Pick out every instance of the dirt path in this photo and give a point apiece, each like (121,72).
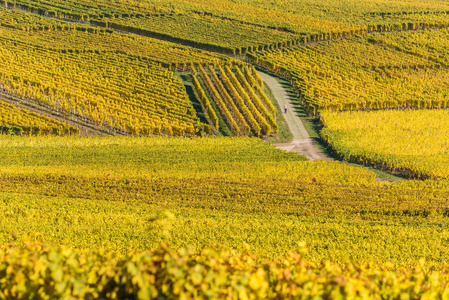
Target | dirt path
(301,141)
(85,130)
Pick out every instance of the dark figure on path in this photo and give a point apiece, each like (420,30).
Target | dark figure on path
(285,107)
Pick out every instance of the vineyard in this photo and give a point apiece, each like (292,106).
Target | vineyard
(260,25)
(366,73)
(239,97)
(122,92)
(183,196)
(72,37)
(105,192)
(400,141)
(100,88)
(23,122)
(370,92)
(190,30)
(133,193)
(164,273)
(125,91)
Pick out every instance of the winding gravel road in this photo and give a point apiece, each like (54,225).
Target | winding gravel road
(301,140)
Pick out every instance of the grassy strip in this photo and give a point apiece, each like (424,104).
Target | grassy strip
(187,81)
(223,128)
(284,135)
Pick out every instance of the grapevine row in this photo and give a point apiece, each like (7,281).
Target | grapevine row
(244,127)
(219,101)
(155,274)
(270,117)
(248,102)
(242,108)
(413,143)
(22,122)
(205,101)
(360,74)
(256,194)
(255,126)
(262,26)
